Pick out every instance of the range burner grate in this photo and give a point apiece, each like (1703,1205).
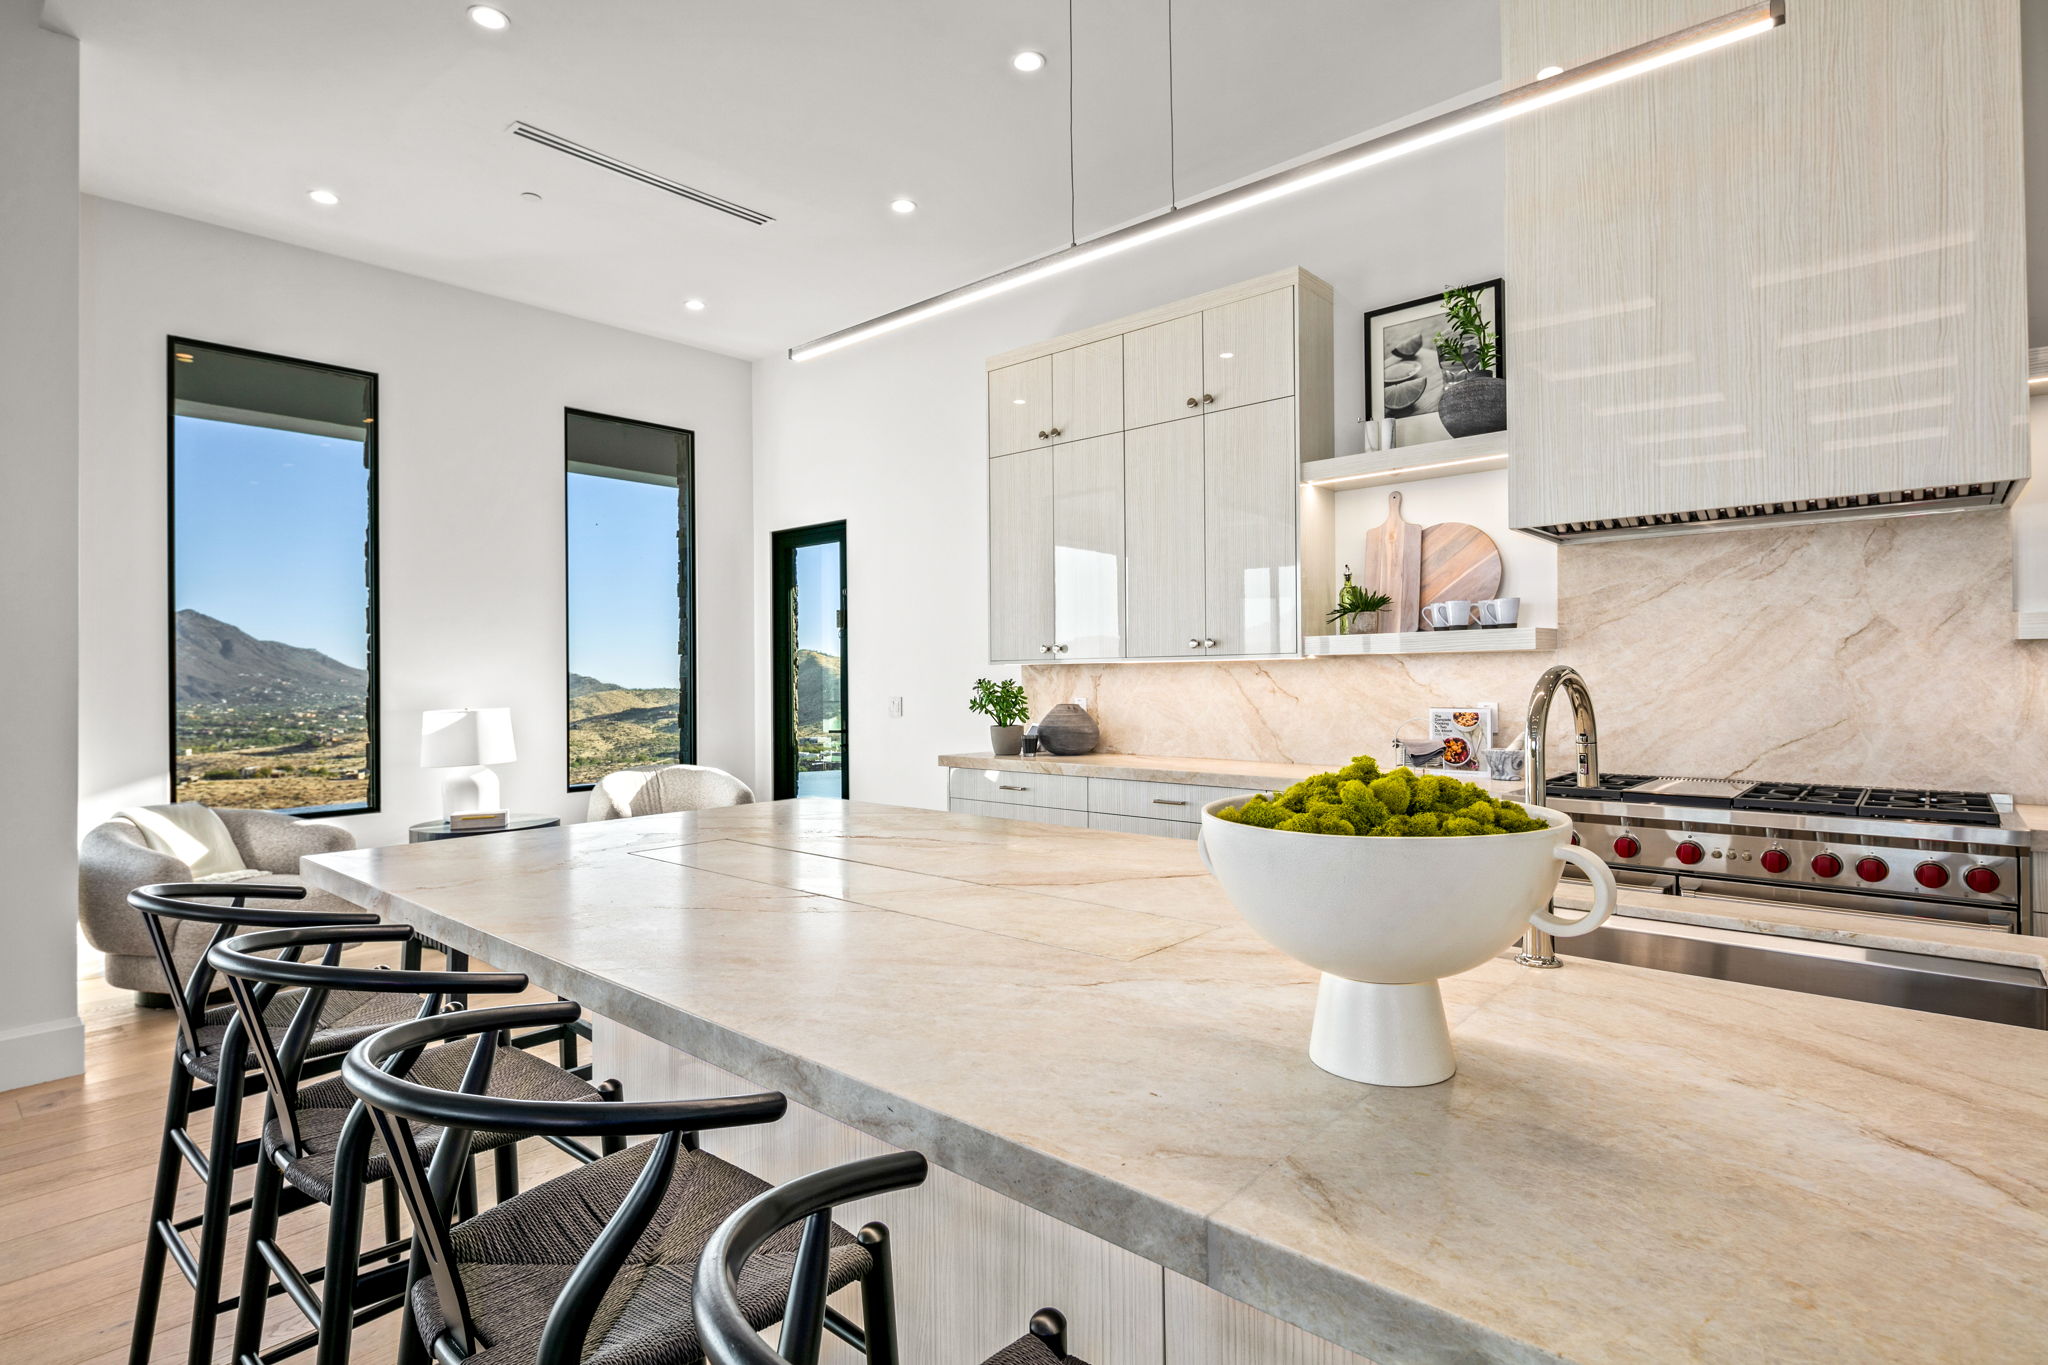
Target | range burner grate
(1610,787)
(1802,798)
(1917,803)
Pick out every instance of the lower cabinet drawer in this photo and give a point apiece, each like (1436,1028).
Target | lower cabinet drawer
(1138,824)
(1154,800)
(1043,815)
(1018,789)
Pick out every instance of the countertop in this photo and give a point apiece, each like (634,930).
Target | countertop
(1629,1166)
(1202,772)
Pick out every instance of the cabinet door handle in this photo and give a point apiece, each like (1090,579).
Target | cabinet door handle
(1002,788)
(1043,435)
(1162,801)
(1208,398)
(1194,644)
(1208,644)
(1059,649)
(1194,402)
(1055,431)
(1045,649)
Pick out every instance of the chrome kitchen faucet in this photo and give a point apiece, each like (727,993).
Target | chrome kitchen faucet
(1538,948)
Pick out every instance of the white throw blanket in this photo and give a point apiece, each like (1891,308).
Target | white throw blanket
(192,834)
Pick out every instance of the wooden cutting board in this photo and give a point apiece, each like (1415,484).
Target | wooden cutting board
(1459,563)
(1393,565)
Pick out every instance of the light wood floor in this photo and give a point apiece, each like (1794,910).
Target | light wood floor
(77,1161)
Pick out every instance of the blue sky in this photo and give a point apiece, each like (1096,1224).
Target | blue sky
(270,533)
(817,597)
(622,581)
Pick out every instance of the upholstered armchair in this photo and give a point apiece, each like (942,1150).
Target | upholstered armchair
(659,788)
(115,859)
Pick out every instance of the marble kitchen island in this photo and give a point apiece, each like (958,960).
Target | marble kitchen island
(1111,1074)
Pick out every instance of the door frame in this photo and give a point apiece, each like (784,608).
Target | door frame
(783,546)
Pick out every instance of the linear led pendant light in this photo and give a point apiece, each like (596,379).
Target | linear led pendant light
(1733,27)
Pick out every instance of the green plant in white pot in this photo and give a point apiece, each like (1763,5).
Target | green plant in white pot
(1006,707)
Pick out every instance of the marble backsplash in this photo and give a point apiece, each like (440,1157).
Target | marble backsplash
(1874,652)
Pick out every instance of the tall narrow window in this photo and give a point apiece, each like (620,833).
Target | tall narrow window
(632,691)
(273,579)
(808,633)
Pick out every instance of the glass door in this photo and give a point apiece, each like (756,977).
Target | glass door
(809,668)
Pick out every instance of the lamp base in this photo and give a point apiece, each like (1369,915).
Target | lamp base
(469,789)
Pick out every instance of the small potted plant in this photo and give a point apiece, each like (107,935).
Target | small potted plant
(1475,397)
(1358,609)
(1006,706)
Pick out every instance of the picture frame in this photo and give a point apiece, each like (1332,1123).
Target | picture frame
(1406,379)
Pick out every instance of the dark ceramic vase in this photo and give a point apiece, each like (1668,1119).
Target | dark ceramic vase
(1474,404)
(1068,729)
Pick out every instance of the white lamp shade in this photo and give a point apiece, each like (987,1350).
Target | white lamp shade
(464,739)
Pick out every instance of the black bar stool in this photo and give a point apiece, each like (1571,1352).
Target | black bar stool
(210,1069)
(607,1248)
(317,1141)
(732,1335)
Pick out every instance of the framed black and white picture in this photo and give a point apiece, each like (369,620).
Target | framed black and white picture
(1435,366)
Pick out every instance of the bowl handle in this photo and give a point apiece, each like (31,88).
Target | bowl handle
(1602,878)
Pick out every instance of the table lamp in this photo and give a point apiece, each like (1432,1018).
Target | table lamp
(468,742)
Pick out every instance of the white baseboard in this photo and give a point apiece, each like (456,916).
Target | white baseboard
(35,1053)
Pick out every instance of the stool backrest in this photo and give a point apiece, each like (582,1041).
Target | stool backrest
(199,901)
(375,1070)
(254,979)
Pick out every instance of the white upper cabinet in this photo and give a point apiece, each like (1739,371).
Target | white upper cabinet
(1088,548)
(1248,350)
(1020,406)
(1784,279)
(1088,390)
(1163,371)
(1165,545)
(1144,493)
(1020,557)
(1254,604)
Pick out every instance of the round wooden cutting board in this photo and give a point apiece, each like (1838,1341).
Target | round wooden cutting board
(1459,563)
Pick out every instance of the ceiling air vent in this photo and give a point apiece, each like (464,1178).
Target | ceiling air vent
(1955,497)
(625,168)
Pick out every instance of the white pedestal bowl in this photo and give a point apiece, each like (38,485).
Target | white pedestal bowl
(1384,919)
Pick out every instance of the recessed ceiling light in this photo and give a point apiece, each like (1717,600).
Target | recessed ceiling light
(324,198)
(903,205)
(694,305)
(1028,61)
(1225,355)
(1547,72)
(490,17)
(1018,401)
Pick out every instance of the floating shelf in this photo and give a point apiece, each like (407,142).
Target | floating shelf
(1471,641)
(1404,464)
(2030,625)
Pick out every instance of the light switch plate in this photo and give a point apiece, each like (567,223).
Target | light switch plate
(896,708)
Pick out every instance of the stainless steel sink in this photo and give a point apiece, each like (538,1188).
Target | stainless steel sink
(1992,991)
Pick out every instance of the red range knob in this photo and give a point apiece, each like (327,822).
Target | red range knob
(1775,860)
(1627,846)
(1575,838)
(1981,880)
(1933,876)
(1872,869)
(1690,853)
(1826,865)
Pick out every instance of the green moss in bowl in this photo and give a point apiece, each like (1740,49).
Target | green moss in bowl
(1358,799)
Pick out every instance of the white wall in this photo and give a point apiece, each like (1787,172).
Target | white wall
(889,434)
(470,393)
(40,1034)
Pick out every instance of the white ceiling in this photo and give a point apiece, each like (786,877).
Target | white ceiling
(817,112)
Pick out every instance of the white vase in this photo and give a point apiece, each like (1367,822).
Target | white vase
(1384,918)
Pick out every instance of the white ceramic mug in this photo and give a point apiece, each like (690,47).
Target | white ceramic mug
(1453,615)
(1500,611)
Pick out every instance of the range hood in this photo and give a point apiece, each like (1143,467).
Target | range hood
(1767,287)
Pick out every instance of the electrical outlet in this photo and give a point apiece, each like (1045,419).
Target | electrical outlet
(895,708)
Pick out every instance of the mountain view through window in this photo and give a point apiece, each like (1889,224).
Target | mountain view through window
(273,588)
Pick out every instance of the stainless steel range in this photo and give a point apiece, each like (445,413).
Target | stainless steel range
(1954,857)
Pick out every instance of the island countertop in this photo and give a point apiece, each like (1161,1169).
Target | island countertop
(1628,1166)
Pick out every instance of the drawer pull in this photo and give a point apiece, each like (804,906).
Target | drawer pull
(1162,801)
(1001,787)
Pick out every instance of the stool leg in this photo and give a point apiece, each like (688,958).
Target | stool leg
(218,1194)
(878,1297)
(161,1205)
(255,1298)
(345,1247)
